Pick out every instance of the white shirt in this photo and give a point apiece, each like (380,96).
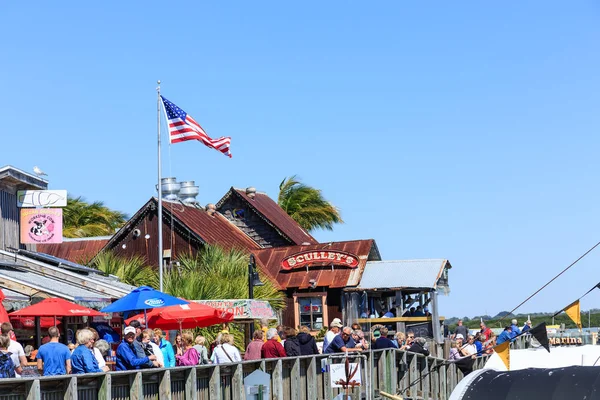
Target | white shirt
(329,336)
(219,356)
(158,353)
(17,351)
(99,358)
(470,349)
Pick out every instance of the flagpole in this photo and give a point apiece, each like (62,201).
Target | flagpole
(160,231)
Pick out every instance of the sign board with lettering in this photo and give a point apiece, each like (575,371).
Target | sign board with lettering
(337,374)
(243,309)
(320,257)
(41,198)
(424,330)
(41,225)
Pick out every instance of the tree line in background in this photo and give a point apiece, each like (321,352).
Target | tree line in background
(536,318)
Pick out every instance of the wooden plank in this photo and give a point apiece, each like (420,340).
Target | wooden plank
(413,373)
(404,381)
(137,389)
(214,383)
(393,370)
(33,390)
(71,392)
(435,379)
(164,387)
(237,382)
(443,382)
(311,379)
(263,366)
(425,378)
(382,371)
(295,379)
(191,391)
(105,390)
(277,379)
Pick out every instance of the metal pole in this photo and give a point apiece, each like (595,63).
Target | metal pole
(251,265)
(160,232)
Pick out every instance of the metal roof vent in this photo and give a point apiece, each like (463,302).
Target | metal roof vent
(251,192)
(188,192)
(170,188)
(211,209)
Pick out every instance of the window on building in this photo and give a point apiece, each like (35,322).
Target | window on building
(311,312)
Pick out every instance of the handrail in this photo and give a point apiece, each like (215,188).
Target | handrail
(292,378)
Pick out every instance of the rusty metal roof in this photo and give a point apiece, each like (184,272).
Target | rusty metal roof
(274,215)
(76,250)
(269,262)
(212,229)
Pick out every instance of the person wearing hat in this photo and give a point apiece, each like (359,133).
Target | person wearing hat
(527,326)
(334,329)
(515,329)
(126,354)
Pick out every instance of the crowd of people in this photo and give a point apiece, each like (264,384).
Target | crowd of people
(142,348)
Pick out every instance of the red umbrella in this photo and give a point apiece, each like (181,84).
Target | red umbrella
(55,307)
(183,316)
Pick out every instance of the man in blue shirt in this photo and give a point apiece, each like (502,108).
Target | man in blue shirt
(342,343)
(505,336)
(382,341)
(126,355)
(515,329)
(54,358)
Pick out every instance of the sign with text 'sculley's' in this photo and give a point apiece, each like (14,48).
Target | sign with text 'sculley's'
(320,257)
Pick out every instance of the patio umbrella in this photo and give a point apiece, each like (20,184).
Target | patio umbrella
(143,298)
(55,307)
(185,316)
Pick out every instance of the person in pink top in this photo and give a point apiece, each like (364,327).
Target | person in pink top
(190,356)
(254,347)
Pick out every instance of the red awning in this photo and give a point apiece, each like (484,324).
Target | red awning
(55,307)
(184,316)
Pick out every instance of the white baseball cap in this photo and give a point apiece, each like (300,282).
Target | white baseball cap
(128,330)
(460,336)
(336,323)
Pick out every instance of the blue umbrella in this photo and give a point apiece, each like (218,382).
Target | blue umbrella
(143,298)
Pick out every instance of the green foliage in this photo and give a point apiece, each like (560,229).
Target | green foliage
(307,206)
(81,219)
(132,271)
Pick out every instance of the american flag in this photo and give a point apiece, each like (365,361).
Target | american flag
(182,127)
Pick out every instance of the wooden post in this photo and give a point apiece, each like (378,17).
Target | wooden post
(405,380)
(413,375)
(263,366)
(191,391)
(392,370)
(382,372)
(214,383)
(137,389)
(33,390)
(164,387)
(71,392)
(443,382)
(105,389)
(311,379)
(295,380)
(435,379)
(237,382)
(277,379)
(425,380)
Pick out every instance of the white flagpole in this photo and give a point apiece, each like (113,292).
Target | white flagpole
(160,232)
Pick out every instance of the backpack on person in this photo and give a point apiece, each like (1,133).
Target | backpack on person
(7,366)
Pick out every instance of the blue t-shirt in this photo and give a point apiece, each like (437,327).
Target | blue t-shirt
(337,343)
(54,355)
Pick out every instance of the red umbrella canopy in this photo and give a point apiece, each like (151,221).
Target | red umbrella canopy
(183,316)
(55,307)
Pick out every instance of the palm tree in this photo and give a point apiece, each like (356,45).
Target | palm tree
(215,273)
(132,270)
(307,206)
(82,219)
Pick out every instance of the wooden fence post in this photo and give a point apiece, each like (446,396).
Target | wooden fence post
(33,390)
(295,379)
(105,389)
(237,382)
(71,392)
(425,379)
(137,389)
(164,386)
(443,381)
(215,383)
(311,379)
(382,372)
(393,370)
(277,379)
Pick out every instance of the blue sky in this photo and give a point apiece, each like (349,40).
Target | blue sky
(466,131)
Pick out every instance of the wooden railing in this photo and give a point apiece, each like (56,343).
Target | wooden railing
(291,379)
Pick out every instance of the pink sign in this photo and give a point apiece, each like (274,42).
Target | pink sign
(42,225)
